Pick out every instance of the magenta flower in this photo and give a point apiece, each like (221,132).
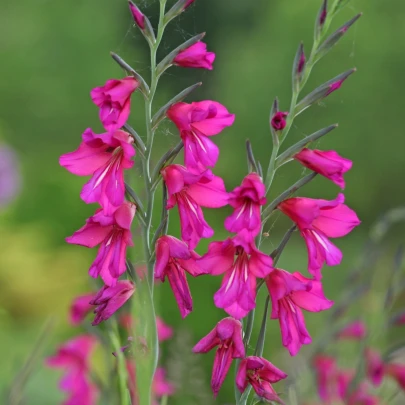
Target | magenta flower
(104,156)
(164,331)
(10,177)
(278,121)
(260,373)
(113,234)
(326,375)
(161,387)
(196,122)
(190,192)
(319,220)
(139,17)
(79,308)
(327,163)
(188,3)
(227,335)
(114,100)
(242,263)
(289,294)
(355,330)
(246,200)
(195,56)
(397,372)
(374,366)
(110,299)
(173,259)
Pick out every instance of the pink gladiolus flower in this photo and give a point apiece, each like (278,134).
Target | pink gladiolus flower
(246,200)
(195,56)
(80,308)
(161,387)
(104,156)
(319,220)
(355,330)
(326,376)
(10,177)
(113,234)
(374,366)
(196,122)
(260,373)
(173,259)
(278,121)
(241,262)
(114,100)
(227,335)
(110,299)
(397,372)
(289,294)
(164,331)
(188,3)
(327,163)
(190,192)
(138,15)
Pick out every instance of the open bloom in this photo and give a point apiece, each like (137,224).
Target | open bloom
(195,56)
(355,330)
(260,373)
(164,331)
(173,259)
(227,335)
(113,234)
(289,294)
(374,366)
(190,192)
(319,220)
(246,200)
(104,157)
(110,299)
(114,100)
(242,263)
(327,163)
(80,307)
(196,122)
(278,121)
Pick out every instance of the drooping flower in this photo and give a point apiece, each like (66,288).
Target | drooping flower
(114,101)
(190,192)
(104,157)
(278,121)
(260,373)
(79,308)
(319,220)
(327,163)
(113,234)
(196,122)
(10,178)
(137,14)
(227,335)
(247,200)
(289,294)
(109,299)
(397,372)
(173,259)
(164,331)
(374,366)
(242,263)
(195,56)
(355,330)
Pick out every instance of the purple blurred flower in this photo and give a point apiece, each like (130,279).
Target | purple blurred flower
(10,178)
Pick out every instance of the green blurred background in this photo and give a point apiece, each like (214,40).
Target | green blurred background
(54,52)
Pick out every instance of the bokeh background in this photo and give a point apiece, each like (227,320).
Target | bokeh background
(54,52)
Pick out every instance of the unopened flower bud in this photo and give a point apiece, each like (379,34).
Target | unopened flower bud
(177,9)
(298,68)
(321,18)
(142,22)
(278,121)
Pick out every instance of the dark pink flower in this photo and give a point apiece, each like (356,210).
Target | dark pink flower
(113,234)
(326,372)
(319,220)
(247,200)
(139,17)
(361,396)
(397,372)
(374,366)
(227,335)
(188,3)
(79,308)
(327,163)
(190,192)
(103,156)
(114,100)
(242,263)
(173,259)
(195,56)
(335,86)
(289,294)
(161,387)
(165,332)
(323,14)
(301,63)
(355,330)
(278,121)
(196,122)
(110,299)
(260,373)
